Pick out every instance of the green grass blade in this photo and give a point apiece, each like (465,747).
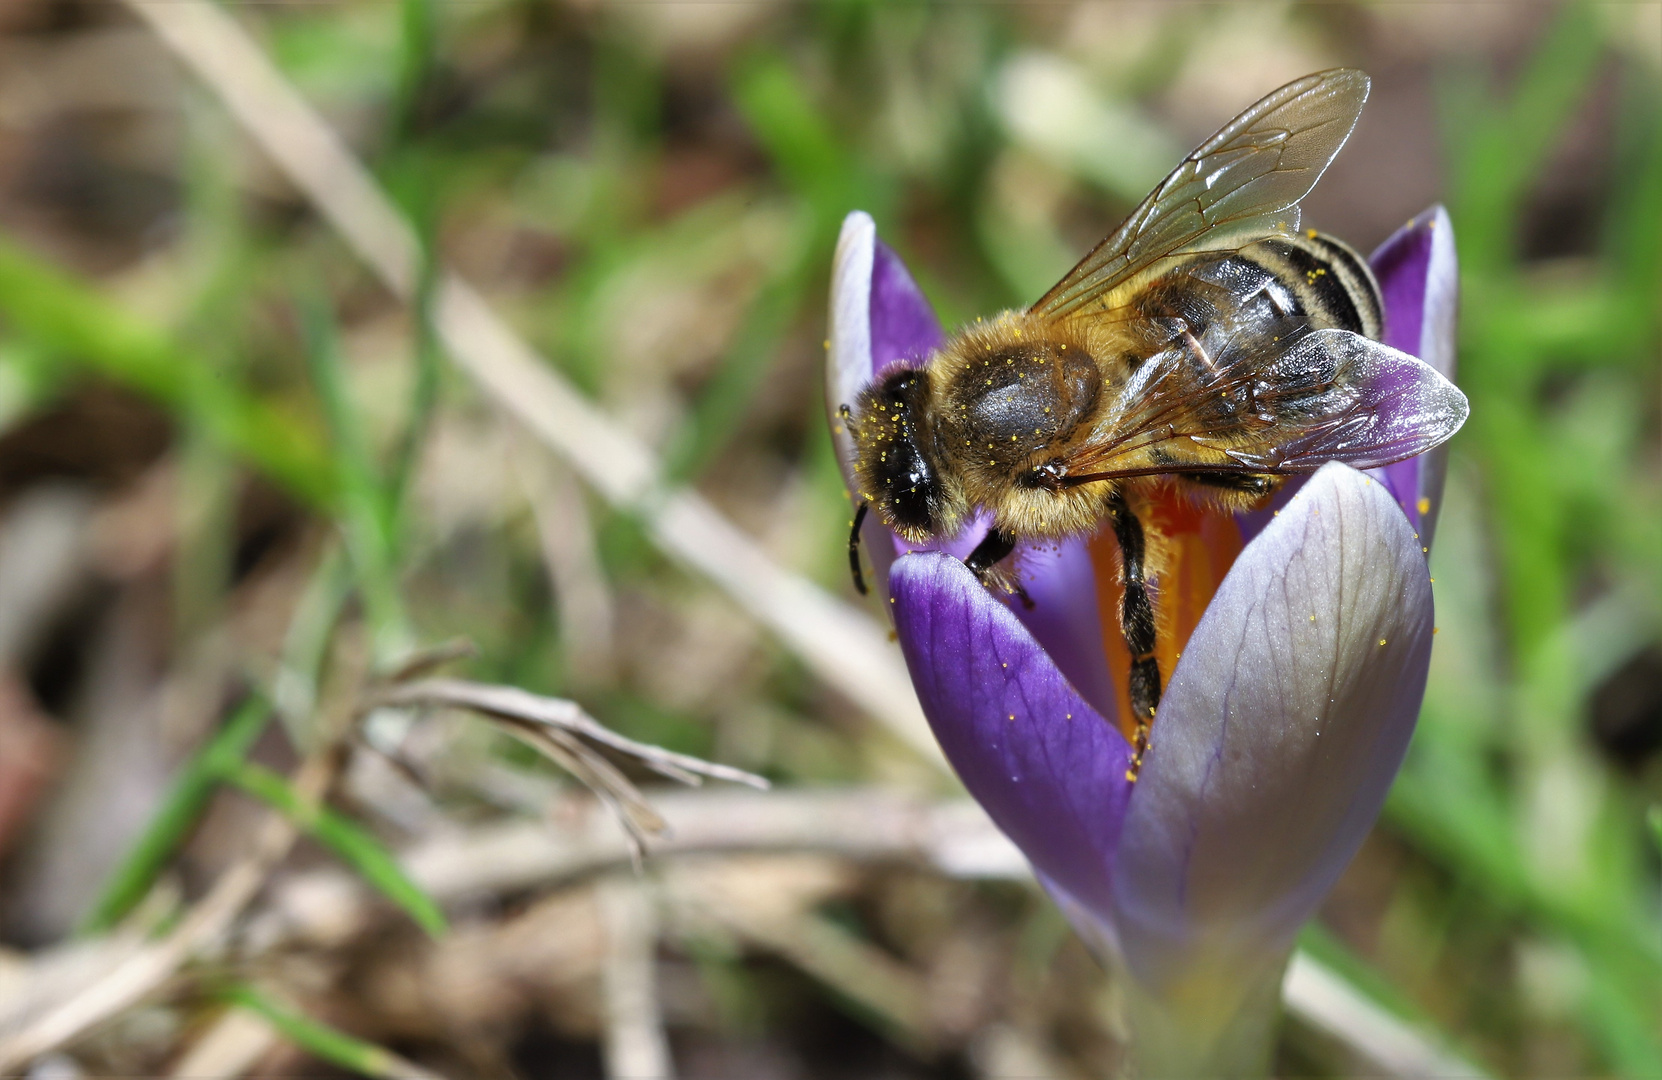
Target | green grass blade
(428,359)
(1497,154)
(417,48)
(176,816)
(74,325)
(366,516)
(356,847)
(801,142)
(316,1038)
(306,646)
(717,417)
(1320,943)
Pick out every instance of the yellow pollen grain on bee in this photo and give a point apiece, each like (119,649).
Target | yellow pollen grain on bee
(1311,233)
(1312,618)
(1435,630)
(1004,665)
(1425,551)
(1012,716)
(1423,506)
(1382,641)
(1069,716)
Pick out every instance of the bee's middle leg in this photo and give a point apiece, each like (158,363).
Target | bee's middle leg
(1137,624)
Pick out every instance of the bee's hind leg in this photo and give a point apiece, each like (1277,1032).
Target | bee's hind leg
(1137,624)
(982,562)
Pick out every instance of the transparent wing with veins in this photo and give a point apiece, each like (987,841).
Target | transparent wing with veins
(1330,396)
(1242,184)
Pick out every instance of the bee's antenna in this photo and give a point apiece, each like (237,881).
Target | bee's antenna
(854,547)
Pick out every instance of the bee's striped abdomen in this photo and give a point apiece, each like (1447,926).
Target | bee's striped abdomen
(1331,283)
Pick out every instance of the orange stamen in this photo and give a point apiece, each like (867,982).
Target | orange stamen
(1199,545)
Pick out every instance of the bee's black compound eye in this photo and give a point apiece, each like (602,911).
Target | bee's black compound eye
(912,490)
(895,464)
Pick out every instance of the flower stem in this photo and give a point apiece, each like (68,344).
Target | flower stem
(1225,1029)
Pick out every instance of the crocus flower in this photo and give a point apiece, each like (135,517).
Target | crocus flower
(1296,639)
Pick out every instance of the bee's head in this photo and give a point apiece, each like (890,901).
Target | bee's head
(896,463)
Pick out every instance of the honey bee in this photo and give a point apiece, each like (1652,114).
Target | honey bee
(1207,345)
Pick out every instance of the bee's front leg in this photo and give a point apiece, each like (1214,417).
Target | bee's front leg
(1137,624)
(993,548)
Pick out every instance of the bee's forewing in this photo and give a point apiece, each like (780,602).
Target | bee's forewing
(1240,185)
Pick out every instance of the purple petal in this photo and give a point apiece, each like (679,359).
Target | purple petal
(1253,522)
(1047,767)
(848,343)
(903,325)
(1278,736)
(1419,277)
(848,366)
(879,317)
(1065,619)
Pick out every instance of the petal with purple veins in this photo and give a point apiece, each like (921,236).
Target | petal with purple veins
(1282,728)
(1047,767)
(1419,278)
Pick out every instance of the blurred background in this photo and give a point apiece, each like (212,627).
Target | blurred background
(239,478)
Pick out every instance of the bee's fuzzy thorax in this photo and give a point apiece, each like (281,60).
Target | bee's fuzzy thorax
(1014,394)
